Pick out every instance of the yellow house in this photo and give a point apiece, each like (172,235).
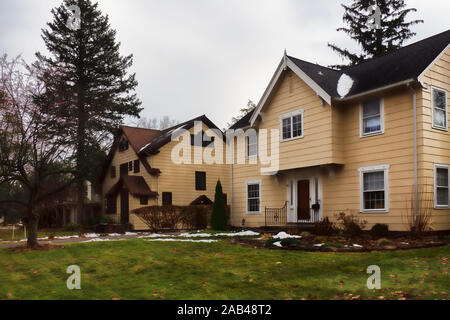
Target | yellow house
(141,170)
(371,140)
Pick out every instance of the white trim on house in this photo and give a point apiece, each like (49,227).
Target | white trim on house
(291,115)
(433,62)
(376,168)
(252,182)
(433,89)
(442,166)
(284,64)
(361,124)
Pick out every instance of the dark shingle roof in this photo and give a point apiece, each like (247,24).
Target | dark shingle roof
(401,65)
(165,137)
(244,121)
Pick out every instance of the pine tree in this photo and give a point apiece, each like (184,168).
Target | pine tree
(88,88)
(394,31)
(243,112)
(219,214)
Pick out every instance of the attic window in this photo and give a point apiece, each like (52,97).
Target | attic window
(123,146)
(439,102)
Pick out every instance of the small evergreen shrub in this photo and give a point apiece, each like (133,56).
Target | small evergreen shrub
(219,219)
(324,227)
(289,242)
(379,230)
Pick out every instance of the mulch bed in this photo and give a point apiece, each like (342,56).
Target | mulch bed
(341,244)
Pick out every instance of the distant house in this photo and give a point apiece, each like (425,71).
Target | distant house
(360,140)
(139,172)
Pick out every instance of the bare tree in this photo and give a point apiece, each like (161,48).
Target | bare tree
(32,158)
(420,222)
(155,123)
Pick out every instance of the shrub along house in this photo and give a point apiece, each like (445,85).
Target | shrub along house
(371,139)
(139,172)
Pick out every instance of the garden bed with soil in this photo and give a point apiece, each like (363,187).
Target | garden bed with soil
(343,244)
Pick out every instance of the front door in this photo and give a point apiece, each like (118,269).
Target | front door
(303,200)
(124,209)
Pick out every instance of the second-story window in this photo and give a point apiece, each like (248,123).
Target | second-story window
(439,102)
(124,169)
(292,125)
(200,180)
(123,146)
(372,117)
(252,146)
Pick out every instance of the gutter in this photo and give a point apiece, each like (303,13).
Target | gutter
(416,185)
(405,82)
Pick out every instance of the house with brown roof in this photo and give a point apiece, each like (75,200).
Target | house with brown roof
(141,170)
(370,140)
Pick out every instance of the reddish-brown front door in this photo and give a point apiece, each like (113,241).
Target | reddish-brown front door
(303,209)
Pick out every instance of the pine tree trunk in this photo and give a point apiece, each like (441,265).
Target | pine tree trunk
(31,224)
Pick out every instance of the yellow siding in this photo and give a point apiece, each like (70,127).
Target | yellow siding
(178,179)
(434,144)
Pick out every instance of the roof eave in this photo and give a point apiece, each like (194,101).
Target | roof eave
(376,90)
(285,63)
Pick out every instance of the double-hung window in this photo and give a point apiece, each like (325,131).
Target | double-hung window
(372,117)
(441,186)
(254,197)
(291,125)
(439,103)
(252,146)
(374,188)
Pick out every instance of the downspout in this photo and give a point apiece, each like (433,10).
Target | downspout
(416,187)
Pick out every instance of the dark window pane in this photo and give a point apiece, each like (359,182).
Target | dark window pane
(286,123)
(144,200)
(124,169)
(374,181)
(123,146)
(442,196)
(111,205)
(442,177)
(136,166)
(167,198)
(297,126)
(200,180)
(374,200)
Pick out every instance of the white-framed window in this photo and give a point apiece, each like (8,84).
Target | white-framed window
(374,195)
(253,193)
(371,117)
(441,186)
(291,125)
(439,108)
(252,146)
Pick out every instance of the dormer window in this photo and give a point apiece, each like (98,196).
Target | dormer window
(372,117)
(291,125)
(123,146)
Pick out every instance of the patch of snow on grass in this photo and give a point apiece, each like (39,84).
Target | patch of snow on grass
(344,85)
(181,240)
(278,244)
(238,234)
(319,244)
(131,234)
(155,235)
(357,245)
(195,235)
(283,235)
(91,235)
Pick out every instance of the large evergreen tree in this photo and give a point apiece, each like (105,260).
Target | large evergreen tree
(88,87)
(394,30)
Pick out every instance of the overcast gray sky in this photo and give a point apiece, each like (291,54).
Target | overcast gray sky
(194,57)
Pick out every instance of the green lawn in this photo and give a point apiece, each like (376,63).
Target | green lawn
(138,269)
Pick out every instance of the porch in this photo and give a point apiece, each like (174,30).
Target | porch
(278,217)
